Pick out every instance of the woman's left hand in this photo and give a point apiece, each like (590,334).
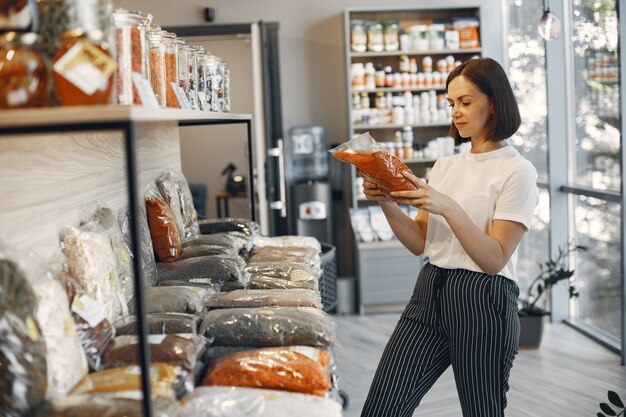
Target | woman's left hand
(425,197)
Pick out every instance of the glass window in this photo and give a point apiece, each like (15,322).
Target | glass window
(597,271)
(534,248)
(595,162)
(527,73)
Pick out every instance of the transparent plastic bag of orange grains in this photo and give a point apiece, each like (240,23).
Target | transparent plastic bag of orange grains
(301,369)
(374,163)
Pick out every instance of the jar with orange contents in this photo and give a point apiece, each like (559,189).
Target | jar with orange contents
(23,71)
(83,69)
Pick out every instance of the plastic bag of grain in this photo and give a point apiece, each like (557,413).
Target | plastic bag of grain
(294,368)
(256,402)
(266,298)
(269,326)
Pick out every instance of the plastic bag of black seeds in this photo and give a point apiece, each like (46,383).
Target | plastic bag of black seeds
(160,323)
(196,250)
(269,326)
(228,273)
(228,224)
(24,373)
(181,299)
(239,242)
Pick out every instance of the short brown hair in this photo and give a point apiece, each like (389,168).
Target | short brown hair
(489,77)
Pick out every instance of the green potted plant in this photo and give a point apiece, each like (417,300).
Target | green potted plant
(616,402)
(533,306)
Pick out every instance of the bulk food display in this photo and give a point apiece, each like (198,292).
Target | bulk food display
(96,54)
(207,322)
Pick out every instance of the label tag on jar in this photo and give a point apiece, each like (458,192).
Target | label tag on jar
(181,96)
(86,66)
(145,91)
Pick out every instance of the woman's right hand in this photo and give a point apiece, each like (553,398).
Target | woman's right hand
(373,192)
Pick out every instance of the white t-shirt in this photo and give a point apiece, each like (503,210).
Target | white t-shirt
(500,184)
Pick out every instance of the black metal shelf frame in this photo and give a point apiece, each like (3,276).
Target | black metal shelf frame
(127,127)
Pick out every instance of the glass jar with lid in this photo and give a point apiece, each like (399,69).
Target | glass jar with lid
(200,55)
(191,86)
(375,39)
(392,35)
(23,71)
(131,52)
(171,68)
(182,65)
(163,70)
(358,36)
(83,69)
(225,75)
(213,82)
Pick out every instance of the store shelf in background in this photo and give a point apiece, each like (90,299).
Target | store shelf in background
(77,115)
(391,244)
(414,53)
(398,89)
(378,127)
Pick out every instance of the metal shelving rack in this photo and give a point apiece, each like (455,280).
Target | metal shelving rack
(392,252)
(116,118)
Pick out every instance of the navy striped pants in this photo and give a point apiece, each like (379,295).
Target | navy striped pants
(455,317)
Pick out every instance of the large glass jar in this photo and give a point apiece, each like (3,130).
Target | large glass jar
(225,72)
(131,52)
(182,65)
(171,69)
(213,82)
(163,70)
(23,72)
(83,69)
(192,76)
(200,55)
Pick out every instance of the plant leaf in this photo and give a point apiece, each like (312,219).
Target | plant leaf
(608,410)
(615,400)
(600,415)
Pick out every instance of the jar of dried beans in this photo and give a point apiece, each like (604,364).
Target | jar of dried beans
(191,87)
(23,71)
(200,56)
(131,49)
(83,69)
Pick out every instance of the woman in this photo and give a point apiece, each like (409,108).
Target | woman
(472,215)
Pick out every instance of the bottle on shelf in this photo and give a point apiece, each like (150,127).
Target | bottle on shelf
(370,76)
(398,144)
(407,141)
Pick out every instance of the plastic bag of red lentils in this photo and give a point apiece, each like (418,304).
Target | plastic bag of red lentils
(374,163)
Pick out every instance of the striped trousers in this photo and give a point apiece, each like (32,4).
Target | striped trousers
(455,317)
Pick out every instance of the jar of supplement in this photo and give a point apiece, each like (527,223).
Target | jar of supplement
(392,39)
(404,64)
(23,71)
(375,40)
(427,64)
(358,36)
(437,34)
